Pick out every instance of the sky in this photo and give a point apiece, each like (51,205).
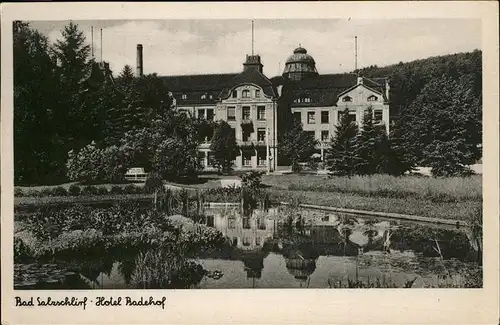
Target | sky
(177,47)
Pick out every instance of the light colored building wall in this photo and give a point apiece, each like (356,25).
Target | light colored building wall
(358,104)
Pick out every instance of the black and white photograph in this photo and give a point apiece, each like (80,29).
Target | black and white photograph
(248,153)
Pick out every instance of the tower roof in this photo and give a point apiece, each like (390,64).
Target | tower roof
(299,65)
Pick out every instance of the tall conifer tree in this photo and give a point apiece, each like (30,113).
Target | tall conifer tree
(341,158)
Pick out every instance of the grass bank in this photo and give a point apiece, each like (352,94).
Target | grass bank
(446,198)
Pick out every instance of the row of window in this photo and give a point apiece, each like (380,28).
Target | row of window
(325,116)
(246,158)
(371,98)
(261,225)
(302,100)
(246,113)
(206,113)
(245,93)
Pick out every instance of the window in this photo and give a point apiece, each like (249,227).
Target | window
(246,241)
(307,100)
(352,116)
(231,115)
(235,94)
(261,134)
(204,96)
(210,96)
(210,114)
(210,158)
(261,112)
(262,223)
(347,99)
(245,113)
(372,98)
(231,223)
(184,96)
(201,113)
(245,93)
(246,223)
(210,221)
(245,135)
(325,117)
(377,115)
(261,159)
(297,116)
(257,241)
(311,117)
(311,134)
(257,93)
(247,159)
(201,158)
(325,135)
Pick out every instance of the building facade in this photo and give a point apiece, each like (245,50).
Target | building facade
(248,102)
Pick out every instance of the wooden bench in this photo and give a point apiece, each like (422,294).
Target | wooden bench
(136,175)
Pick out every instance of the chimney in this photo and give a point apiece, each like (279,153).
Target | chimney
(253,62)
(139,66)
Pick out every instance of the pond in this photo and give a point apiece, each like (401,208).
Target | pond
(280,248)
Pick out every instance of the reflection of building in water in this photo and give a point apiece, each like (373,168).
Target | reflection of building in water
(301,262)
(247,233)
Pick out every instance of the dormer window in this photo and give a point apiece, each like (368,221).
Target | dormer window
(302,100)
(235,94)
(245,93)
(347,99)
(257,93)
(372,98)
(204,96)
(210,96)
(184,96)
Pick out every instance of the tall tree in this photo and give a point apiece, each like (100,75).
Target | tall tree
(341,157)
(366,146)
(223,147)
(445,126)
(36,145)
(297,145)
(74,69)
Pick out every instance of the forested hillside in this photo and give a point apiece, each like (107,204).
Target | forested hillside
(408,79)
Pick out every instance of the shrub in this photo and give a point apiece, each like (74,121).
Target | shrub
(90,190)
(74,190)
(116,190)
(59,191)
(252,179)
(131,189)
(46,192)
(154,183)
(92,164)
(102,191)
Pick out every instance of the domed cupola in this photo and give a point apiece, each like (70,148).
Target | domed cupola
(300,65)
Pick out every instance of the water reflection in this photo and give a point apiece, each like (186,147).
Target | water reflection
(296,249)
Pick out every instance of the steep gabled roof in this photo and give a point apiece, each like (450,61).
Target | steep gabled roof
(250,76)
(323,90)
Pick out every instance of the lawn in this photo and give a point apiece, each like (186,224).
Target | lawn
(447,198)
